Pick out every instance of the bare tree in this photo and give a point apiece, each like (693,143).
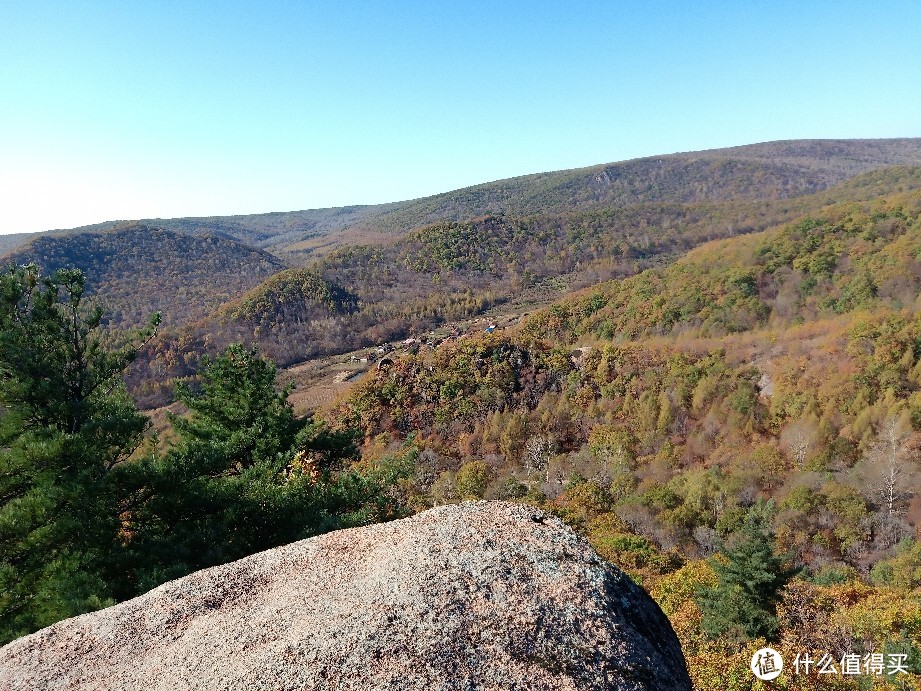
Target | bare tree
(889,470)
(808,625)
(538,450)
(428,466)
(799,439)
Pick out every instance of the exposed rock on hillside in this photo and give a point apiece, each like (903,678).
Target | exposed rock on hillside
(483,595)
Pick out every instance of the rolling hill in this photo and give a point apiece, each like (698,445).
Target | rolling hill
(361,295)
(136,270)
(772,170)
(451,256)
(454,269)
(716,344)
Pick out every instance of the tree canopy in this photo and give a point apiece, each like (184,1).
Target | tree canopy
(66,425)
(88,517)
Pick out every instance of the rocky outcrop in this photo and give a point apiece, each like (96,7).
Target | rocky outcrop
(483,595)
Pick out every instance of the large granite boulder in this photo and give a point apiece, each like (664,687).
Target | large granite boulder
(482,595)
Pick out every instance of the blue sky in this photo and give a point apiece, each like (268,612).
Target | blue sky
(130,109)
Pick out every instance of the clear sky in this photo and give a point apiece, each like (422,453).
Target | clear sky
(132,108)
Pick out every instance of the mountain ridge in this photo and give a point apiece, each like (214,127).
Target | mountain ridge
(309,231)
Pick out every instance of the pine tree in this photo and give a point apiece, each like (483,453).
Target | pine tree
(66,425)
(743,603)
(245,474)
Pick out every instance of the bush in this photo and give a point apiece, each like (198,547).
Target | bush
(472,479)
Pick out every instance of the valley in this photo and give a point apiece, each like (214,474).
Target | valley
(678,356)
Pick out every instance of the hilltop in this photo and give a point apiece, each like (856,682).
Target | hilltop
(771,170)
(136,270)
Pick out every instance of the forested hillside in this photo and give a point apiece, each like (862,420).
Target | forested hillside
(453,270)
(849,256)
(769,380)
(712,370)
(771,170)
(137,270)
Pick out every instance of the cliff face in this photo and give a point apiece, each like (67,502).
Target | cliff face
(483,595)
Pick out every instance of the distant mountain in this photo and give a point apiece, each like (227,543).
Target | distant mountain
(762,171)
(268,230)
(137,270)
(10,242)
(772,170)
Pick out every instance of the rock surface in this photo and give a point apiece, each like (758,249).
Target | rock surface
(483,595)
